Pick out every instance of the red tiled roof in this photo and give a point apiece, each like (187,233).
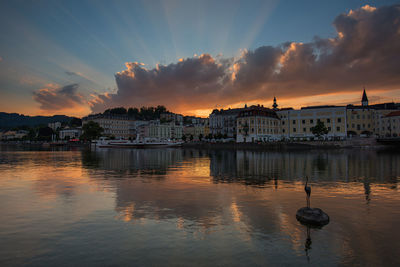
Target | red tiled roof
(394,113)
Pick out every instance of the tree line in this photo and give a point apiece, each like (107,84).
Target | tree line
(143,113)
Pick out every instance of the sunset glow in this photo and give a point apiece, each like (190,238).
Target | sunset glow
(140,54)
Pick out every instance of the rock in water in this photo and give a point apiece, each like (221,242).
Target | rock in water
(312,216)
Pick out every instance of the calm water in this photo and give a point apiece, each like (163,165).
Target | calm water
(176,207)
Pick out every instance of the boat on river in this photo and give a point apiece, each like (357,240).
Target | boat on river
(144,143)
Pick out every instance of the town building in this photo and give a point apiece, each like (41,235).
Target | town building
(134,128)
(196,130)
(10,135)
(163,131)
(113,125)
(169,116)
(70,133)
(298,124)
(257,123)
(54,125)
(224,121)
(390,125)
(367,120)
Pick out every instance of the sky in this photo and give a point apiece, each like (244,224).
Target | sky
(81,57)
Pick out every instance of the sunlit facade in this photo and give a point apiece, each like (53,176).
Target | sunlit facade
(116,126)
(297,124)
(257,124)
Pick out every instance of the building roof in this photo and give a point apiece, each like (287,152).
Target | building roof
(364,97)
(258,111)
(324,106)
(384,106)
(233,111)
(393,114)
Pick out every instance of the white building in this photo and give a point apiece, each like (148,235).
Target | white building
(258,124)
(70,133)
(390,126)
(162,131)
(117,126)
(54,125)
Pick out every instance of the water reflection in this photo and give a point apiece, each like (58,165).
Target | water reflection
(232,207)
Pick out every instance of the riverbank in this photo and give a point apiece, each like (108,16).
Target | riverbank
(359,143)
(43,144)
(363,143)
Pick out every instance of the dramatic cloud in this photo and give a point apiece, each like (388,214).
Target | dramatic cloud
(71,73)
(364,52)
(55,98)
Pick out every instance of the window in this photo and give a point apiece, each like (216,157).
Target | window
(304,130)
(338,128)
(283,130)
(339,120)
(329,128)
(311,121)
(303,121)
(328,120)
(294,130)
(318,120)
(358,116)
(283,122)
(294,121)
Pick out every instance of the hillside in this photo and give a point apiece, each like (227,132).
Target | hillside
(10,120)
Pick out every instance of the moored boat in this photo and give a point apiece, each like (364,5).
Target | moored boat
(136,143)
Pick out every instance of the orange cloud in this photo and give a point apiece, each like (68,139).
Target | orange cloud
(364,53)
(55,99)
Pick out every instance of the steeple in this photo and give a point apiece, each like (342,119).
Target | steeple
(364,100)
(275,105)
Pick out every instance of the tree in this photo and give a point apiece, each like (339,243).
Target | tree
(91,131)
(133,112)
(200,137)
(319,129)
(75,122)
(191,137)
(45,133)
(116,111)
(184,138)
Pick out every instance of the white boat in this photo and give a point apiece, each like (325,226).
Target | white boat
(146,143)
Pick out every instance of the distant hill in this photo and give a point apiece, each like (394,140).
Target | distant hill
(10,120)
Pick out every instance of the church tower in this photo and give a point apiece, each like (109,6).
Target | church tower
(275,105)
(364,100)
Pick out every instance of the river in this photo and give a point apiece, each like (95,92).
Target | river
(193,207)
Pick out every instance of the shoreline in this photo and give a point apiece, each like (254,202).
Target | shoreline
(301,145)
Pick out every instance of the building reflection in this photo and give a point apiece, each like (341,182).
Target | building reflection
(146,161)
(259,168)
(201,192)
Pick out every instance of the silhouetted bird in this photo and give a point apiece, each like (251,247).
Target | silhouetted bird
(308,192)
